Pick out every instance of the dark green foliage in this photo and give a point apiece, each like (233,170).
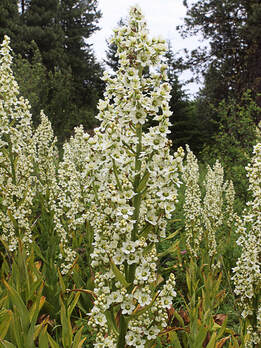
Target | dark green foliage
(233,142)
(32,81)
(10,23)
(79,21)
(233,30)
(112,60)
(230,65)
(42,26)
(53,92)
(185,127)
(9,18)
(55,66)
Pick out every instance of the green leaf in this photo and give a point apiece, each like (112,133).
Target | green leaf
(200,336)
(212,342)
(37,305)
(6,344)
(20,306)
(222,329)
(5,319)
(38,252)
(120,277)
(172,235)
(61,282)
(67,333)
(174,339)
(111,320)
(116,175)
(77,342)
(146,230)
(143,181)
(170,250)
(43,338)
(52,342)
(179,318)
(73,304)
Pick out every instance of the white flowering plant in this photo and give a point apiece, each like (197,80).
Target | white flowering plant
(208,211)
(247,273)
(109,200)
(17,182)
(132,188)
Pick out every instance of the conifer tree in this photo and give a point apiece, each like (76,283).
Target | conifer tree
(184,127)
(43,27)
(232,59)
(60,30)
(79,21)
(9,20)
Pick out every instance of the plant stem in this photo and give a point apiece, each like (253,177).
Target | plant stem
(137,197)
(123,329)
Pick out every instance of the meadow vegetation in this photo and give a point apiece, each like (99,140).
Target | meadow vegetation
(120,241)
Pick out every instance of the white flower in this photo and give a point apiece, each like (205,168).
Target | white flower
(130,338)
(128,306)
(128,247)
(115,297)
(152,333)
(100,319)
(139,342)
(142,273)
(142,297)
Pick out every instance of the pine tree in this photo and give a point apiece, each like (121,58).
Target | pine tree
(185,128)
(42,26)
(9,20)
(60,29)
(79,21)
(32,80)
(233,30)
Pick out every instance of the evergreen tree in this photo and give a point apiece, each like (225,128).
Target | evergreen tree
(9,20)
(234,138)
(185,127)
(43,27)
(233,29)
(111,58)
(79,21)
(70,83)
(32,81)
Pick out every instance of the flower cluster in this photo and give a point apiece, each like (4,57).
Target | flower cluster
(46,155)
(17,151)
(212,205)
(204,216)
(192,205)
(68,197)
(132,184)
(247,273)
(27,163)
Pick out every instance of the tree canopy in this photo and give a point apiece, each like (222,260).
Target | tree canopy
(59,30)
(233,30)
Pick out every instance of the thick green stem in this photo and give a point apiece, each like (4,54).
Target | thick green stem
(11,155)
(137,197)
(123,329)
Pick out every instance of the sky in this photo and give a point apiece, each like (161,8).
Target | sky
(162,17)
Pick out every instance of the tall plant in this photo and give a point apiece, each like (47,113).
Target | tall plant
(17,151)
(247,273)
(132,192)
